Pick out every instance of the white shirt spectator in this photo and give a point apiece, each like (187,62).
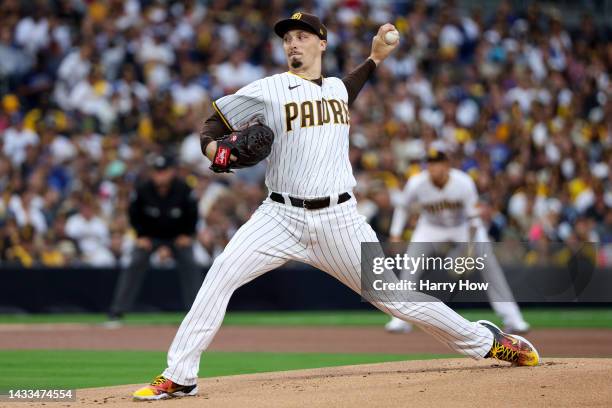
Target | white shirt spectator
(419,85)
(32,35)
(539,134)
(535,60)
(159,56)
(73,68)
(450,37)
(61,35)
(195,14)
(558,46)
(518,208)
(232,76)
(92,145)
(229,35)
(158,52)
(123,91)
(130,15)
(467,113)
(86,99)
(187,95)
(112,58)
(408,150)
(27,214)
(403,110)
(381,13)
(62,149)
(565,97)
(15,142)
(433,117)
(183,32)
(584,200)
(93,237)
(523,96)
(402,66)
(470,28)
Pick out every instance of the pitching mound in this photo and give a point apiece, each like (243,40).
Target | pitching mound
(433,383)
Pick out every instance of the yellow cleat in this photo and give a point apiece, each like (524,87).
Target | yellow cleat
(162,388)
(510,347)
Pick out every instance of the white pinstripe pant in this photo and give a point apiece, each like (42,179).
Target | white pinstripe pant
(500,295)
(328,239)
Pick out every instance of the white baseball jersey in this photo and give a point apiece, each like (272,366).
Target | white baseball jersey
(445,216)
(450,206)
(309,159)
(309,156)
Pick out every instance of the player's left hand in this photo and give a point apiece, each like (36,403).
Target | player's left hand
(380,49)
(211,150)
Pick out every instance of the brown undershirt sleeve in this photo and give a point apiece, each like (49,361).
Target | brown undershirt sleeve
(214,129)
(357,78)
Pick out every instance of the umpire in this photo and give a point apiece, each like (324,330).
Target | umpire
(163,212)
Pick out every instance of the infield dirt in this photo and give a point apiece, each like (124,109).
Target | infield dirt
(433,383)
(550,342)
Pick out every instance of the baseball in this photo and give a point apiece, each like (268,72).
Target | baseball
(391,37)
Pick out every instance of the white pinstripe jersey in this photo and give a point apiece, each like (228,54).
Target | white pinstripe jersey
(449,206)
(309,156)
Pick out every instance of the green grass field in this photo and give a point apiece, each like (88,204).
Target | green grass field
(69,369)
(538,318)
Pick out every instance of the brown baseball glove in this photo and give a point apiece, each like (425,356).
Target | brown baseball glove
(250,146)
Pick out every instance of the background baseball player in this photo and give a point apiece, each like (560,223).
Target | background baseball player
(447,199)
(310,214)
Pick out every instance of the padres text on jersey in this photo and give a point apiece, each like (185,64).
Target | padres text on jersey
(309,157)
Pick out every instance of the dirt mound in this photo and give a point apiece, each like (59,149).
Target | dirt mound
(454,382)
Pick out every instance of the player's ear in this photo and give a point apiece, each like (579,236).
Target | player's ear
(323,45)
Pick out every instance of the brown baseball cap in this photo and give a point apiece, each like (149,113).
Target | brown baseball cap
(304,21)
(436,155)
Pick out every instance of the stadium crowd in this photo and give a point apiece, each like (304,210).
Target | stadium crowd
(91,88)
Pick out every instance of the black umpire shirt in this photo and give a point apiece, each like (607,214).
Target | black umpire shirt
(164,217)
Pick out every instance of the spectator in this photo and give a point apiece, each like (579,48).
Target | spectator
(91,96)
(73,69)
(157,56)
(14,60)
(522,97)
(128,98)
(32,32)
(91,232)
(16,139)
(186,92)
(26,209)
(62,243)
(236,72)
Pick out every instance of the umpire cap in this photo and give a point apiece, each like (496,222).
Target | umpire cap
(161,161)
(304,21)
